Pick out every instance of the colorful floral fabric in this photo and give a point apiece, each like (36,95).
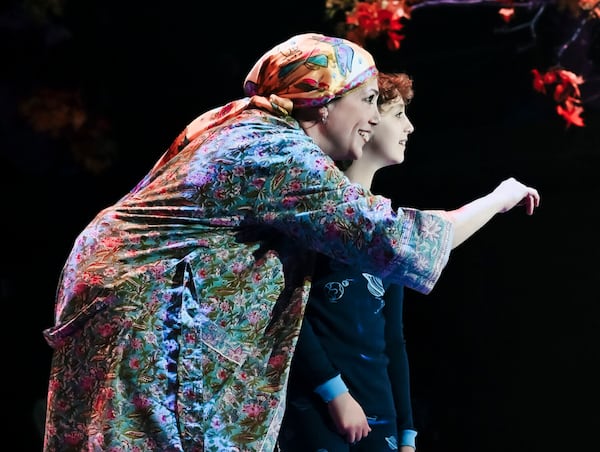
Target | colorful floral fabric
(310,69)
(179,307)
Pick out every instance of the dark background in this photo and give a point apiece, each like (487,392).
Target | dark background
(503,351)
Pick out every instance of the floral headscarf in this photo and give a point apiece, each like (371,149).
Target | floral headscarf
(307,70)
(310,69)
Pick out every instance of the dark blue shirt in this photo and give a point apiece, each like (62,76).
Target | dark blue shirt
(353,328)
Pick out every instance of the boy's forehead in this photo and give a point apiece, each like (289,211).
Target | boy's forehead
(394,105)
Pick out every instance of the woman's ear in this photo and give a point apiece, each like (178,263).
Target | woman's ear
(309,114)
(324,114)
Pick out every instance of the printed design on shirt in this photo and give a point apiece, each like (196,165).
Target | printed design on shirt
(392,442)
(334,290)
(375,287)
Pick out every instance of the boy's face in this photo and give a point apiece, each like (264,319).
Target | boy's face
(391,134)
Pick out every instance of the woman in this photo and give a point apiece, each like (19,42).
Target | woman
(179,306)
(349,381)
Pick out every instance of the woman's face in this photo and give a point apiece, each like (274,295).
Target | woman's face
(391,134)
(351,120)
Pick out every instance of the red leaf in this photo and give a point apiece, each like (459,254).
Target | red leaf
(572,116)
(538,81)
(507,14)
(394,40)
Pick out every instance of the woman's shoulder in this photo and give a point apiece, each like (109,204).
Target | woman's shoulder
(261,132)
(255,117)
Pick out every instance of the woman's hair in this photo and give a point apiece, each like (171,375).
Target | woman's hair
(393,85)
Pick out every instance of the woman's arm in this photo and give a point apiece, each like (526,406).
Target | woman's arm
(471,217)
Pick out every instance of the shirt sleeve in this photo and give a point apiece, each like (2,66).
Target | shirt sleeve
(256,172)
(308,198)
(398,368)
(312,365)
(331,388)
(408,438)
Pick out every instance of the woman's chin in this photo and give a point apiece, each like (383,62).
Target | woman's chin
(354,153)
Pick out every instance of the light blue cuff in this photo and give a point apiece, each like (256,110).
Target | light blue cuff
(407,438)
(331,388)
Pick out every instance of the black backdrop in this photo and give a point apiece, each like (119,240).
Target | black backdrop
(503,351)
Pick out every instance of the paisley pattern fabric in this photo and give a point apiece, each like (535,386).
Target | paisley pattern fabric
(310,69)
(179,307)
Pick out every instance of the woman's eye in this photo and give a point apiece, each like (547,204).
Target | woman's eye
(400,114)
(371,99)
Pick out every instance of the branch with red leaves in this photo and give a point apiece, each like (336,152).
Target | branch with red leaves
(368,19)
(563,86)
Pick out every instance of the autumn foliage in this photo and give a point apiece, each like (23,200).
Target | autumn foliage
(563,86)
(369,19)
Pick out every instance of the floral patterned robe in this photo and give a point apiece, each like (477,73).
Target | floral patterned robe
(179,307)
